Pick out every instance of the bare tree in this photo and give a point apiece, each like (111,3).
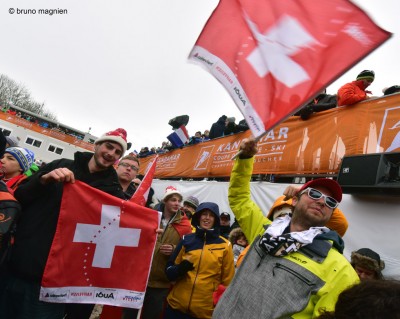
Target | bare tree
(12,93)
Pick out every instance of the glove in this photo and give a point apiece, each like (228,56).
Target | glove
(184,267)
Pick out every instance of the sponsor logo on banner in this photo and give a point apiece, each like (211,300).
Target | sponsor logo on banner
(270,149)
(109,295)
(168,162)
(272,145)
(56,295)
(225,152)
(389,136)
(203,158)
(202,58)
(81,294)
(59,294)
(131,298)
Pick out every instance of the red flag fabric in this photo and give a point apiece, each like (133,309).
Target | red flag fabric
(275,55)
(142,193)
(102,250)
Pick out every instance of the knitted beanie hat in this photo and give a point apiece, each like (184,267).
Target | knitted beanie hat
(366,75)
(388,90)
(12,141)
(117,136)
(192,201)
(23,156)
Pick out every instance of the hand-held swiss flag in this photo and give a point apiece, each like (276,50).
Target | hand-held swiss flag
(142,193)
(101,251)
(275,55)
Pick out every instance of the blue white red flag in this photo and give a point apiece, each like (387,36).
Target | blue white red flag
(179,137)
(273,56)
(102,250)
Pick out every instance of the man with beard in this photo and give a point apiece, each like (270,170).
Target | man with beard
(294,267)
(40,197)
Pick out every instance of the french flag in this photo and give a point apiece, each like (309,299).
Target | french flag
(179,137)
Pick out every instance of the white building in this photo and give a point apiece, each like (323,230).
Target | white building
(49,140)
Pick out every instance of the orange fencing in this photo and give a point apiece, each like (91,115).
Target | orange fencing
(315,146)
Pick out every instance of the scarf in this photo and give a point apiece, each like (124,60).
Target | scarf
(277,244)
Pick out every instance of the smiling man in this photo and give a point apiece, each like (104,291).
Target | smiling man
(294,267)
(40,197)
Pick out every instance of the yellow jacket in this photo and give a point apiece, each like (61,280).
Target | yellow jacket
(295,286)
(212,258)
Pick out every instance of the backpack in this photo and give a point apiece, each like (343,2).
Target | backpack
(9,212)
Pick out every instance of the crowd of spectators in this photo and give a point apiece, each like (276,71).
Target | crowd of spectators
(224,126)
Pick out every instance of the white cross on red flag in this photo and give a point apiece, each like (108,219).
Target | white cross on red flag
(273,56)
(101,251)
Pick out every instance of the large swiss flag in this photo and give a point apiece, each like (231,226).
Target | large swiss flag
(275,55)
(102,249)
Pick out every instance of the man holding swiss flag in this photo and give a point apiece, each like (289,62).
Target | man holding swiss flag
(68,235)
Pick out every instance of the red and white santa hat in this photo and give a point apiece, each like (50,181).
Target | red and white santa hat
(169,191)
(117,136)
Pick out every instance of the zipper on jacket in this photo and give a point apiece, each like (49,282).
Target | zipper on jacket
(197,273)
(293,272)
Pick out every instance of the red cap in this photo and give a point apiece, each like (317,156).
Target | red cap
(328,183)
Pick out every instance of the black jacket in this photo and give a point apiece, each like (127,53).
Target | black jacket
(218,128)
(40,210)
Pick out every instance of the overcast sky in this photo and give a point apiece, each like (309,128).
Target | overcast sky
(123,63)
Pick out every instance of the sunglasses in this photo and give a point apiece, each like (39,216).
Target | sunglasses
(133,167)
(315,194)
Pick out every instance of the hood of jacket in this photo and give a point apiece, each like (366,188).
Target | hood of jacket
(196,219)
(222,119)
(333,236)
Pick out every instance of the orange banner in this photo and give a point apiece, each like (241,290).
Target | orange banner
(315,146)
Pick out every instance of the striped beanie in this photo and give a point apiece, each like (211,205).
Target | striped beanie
(366,75)
(23,156)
